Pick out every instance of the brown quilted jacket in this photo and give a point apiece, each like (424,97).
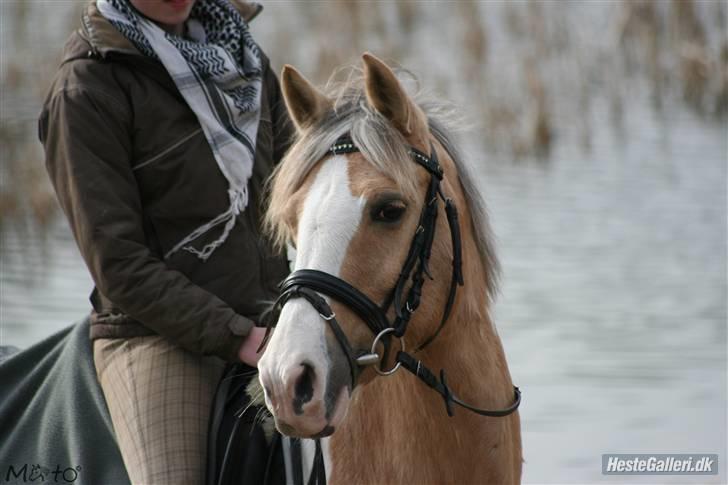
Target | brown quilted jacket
(134,175)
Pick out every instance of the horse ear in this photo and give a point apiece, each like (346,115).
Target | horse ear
(386,95)
(305,103)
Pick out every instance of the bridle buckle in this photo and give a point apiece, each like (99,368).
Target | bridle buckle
(329,317)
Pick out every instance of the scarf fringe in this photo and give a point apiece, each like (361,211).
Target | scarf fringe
(238,202)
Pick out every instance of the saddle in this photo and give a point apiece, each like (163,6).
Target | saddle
(243,445)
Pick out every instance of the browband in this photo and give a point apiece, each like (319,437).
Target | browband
(346,145)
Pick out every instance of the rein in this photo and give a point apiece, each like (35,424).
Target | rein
(309,284)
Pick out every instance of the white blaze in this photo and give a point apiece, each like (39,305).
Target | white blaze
(330,217)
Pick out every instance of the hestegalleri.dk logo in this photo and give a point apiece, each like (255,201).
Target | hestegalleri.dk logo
(660,464)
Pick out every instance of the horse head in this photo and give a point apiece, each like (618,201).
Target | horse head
(354,212)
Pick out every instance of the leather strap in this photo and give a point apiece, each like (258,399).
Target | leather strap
(322,307)
(318,470)
(340,290)
(346,145)
(419,369)
(457,271)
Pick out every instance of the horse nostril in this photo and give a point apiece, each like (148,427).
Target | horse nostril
(304,388)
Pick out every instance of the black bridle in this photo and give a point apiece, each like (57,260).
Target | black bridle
(309,284)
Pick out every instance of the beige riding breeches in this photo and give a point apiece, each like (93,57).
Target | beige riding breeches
(159,397)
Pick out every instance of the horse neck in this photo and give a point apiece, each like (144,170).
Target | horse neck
(398,431)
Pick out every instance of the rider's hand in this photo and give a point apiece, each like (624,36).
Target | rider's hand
(247,352)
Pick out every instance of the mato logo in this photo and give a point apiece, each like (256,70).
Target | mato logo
(35,473)
(660,464)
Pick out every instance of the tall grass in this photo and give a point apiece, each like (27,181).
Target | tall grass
(527,72)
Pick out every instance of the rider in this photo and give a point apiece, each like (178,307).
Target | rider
(160,128)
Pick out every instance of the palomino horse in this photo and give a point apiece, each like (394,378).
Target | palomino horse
(358,196)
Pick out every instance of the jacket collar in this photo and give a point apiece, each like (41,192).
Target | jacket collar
(104,38)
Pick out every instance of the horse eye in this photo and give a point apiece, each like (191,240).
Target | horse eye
(389,212)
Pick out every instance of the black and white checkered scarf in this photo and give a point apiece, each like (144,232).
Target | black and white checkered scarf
(217,69)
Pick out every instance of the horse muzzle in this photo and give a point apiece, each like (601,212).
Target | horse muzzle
(305,399)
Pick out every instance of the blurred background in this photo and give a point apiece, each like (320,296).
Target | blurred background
(600,135)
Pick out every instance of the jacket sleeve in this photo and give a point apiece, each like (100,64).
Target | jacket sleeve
(87,137)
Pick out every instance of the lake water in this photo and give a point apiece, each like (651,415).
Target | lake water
(613,304)
(613,310)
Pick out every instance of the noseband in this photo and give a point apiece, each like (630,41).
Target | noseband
(310,284)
